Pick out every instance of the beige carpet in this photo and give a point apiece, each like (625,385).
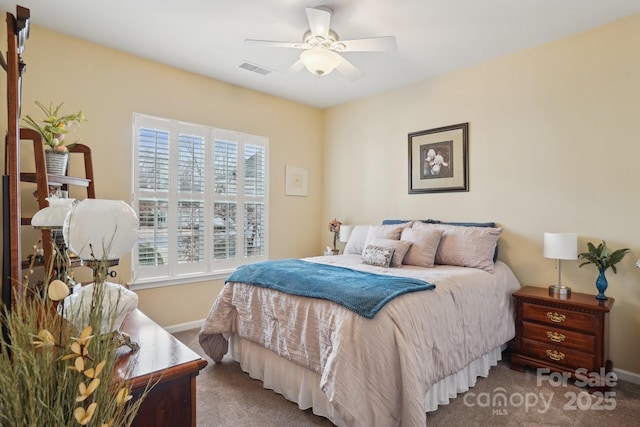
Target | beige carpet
(228,397)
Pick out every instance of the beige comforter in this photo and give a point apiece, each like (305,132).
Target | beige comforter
(374,372)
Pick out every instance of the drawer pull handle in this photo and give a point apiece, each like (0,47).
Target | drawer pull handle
(555,317)
(555,336)
(555,355)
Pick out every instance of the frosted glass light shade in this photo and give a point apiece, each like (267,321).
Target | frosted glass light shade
(104,229)
(345,232)
(52,216)
(320,60)
(561,245)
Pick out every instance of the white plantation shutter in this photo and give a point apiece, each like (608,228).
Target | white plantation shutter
(201,195)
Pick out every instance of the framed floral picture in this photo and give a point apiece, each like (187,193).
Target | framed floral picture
(439,159)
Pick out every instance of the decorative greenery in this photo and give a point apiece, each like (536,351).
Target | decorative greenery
(54,374)
(334,227)
(55,128)
(602,257)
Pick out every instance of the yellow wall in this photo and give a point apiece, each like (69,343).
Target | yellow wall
(109,86)
(553,146)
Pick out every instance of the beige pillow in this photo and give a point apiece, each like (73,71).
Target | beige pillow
(390,231)
(401,248)
(467,246)
(422,252)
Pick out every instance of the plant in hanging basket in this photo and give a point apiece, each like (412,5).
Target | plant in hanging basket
(54,128)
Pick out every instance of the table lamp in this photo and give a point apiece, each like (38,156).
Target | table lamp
(100,232)
(345,232)
(560,246)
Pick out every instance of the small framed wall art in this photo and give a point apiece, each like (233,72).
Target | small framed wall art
(295,181)
(439,159)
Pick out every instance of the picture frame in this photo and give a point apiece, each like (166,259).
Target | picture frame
(295,181)
(439,159)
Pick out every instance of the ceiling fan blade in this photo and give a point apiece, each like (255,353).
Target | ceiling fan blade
(373,44)
(296,67)
(271,43)
(348,70)
(319,21)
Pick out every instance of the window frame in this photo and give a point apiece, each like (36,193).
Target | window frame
(172,272)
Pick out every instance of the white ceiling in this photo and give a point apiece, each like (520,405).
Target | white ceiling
(433,36)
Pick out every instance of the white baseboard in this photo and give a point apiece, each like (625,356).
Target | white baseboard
(631,377)
(196,324)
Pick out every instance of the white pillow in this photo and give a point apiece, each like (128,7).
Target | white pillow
(401,247)
(387,231)
(467,246)
(355,244)
(424,246)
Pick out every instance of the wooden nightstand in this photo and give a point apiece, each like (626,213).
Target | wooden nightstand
(560,333)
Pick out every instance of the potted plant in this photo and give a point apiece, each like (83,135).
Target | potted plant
(53,131)
(56,373)
(603,258)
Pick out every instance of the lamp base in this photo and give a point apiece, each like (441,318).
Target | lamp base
(559,291)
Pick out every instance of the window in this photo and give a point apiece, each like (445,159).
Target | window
(201,197)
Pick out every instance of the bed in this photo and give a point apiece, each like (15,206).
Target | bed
(418,351)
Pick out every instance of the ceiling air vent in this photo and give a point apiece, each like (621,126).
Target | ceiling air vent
(255,68)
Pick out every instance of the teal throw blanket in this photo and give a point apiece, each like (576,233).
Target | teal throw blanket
(362,292)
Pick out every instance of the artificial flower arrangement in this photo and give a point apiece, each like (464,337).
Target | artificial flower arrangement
(54,128)
(334,227)
(53,373)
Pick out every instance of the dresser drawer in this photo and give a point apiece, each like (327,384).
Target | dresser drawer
(559,355)
(557,336)
(560,317)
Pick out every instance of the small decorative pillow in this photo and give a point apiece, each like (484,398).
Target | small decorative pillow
(400,249)
(377,255)
(357,239)
(422,252)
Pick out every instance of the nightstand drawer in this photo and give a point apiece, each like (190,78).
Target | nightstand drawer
(559,355)
(559,317)
(557,336)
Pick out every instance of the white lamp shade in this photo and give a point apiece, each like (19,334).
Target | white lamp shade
(320,60)
(52,216)
(345,232)
(561,245)
(101,229)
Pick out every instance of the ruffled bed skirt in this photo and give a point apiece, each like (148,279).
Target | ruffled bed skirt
(302,386)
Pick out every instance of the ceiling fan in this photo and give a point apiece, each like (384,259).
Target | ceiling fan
(321,46)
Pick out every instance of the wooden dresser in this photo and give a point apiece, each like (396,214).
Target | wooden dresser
(560,333)
(161,358)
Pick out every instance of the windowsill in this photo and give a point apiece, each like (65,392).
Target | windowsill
(182,280)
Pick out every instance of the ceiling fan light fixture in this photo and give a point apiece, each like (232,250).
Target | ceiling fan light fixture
(320,60)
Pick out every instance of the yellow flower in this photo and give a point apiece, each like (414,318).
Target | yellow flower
(123,396)
(79,364)
(46,339)
(85,391)
(84,416)
(93,373)
(58,290)
(79,346)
